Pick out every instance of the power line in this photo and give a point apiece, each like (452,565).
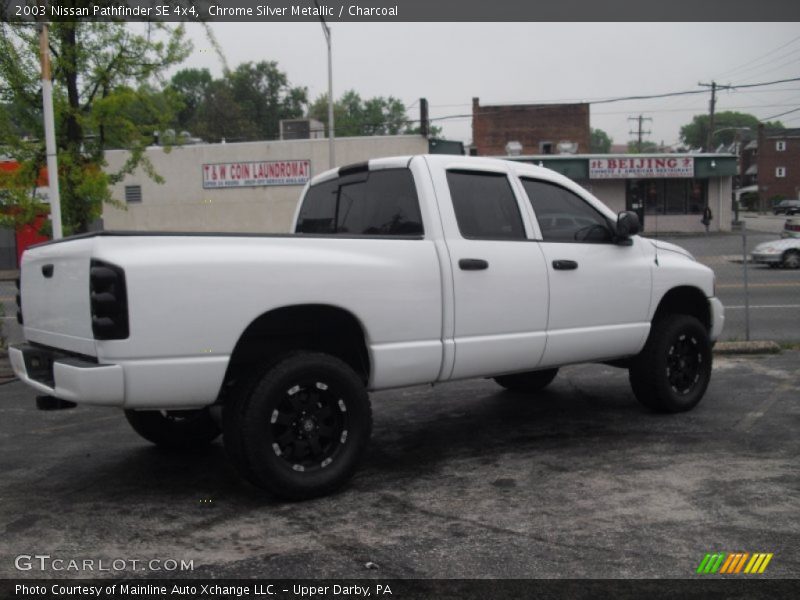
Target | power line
(781,114)
(758,58)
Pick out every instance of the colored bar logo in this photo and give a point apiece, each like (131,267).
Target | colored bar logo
(731,563)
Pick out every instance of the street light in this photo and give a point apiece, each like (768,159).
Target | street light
(736,129)
(327,31)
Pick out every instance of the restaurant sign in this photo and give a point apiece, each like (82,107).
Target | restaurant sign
(641,167)
(252,174)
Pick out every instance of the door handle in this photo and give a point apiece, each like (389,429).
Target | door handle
(473,264)
(565,265)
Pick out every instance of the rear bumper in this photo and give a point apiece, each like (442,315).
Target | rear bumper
(717,317)
(68,377)
(156,384)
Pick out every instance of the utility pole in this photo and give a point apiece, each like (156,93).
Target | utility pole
(331,129)
(50,132)
(639,132)
(711,109)
(424,121)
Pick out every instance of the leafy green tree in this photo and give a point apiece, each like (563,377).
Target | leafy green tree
(647,147)
(355,116)
(265,97)
(190,86)
(727,124)
(246,104)
(220,117)
(600,142)
(95,68)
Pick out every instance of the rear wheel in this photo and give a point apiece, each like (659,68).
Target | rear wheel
(672,372)
(178,429)
(530,381)
(301,427)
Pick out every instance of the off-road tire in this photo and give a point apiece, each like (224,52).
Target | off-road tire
(672,372)
(300,427)
(528,382)
(175,429)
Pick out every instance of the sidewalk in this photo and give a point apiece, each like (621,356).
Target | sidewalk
(9,275)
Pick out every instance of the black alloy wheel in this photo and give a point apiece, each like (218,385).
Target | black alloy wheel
(309,426)
(684,362)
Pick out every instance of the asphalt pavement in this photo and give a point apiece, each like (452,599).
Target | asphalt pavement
(461,480)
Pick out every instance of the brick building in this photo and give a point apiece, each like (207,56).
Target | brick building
(539,128)
(778,161)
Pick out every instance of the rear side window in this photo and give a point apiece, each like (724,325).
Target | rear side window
(485,206)
(370,203)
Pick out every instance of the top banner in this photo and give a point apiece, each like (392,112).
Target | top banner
(397,10)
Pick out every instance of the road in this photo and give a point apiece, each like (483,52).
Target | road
(774,294)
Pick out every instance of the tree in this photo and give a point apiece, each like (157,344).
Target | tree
(355,116)
(95,66)
(727,124)
(191,86)
(265,97)
(600,142)
(647,146)
(246,104)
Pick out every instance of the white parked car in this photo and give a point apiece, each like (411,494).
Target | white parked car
(784,252)
(400,271)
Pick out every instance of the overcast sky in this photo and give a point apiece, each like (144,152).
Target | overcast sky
(508,63)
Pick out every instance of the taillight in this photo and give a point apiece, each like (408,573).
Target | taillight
(109,301)
(19,302)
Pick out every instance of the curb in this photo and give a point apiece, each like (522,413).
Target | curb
(754,347)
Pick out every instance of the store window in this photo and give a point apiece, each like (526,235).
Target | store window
(668,196)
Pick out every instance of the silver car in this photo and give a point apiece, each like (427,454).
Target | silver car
(778,253)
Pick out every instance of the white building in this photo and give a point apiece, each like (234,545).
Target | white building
(249,187)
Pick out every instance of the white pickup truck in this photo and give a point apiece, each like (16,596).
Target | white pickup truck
(400,271)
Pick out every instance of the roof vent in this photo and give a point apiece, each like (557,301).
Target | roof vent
(513,148)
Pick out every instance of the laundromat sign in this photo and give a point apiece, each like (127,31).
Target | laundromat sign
(641,167)
(253,174)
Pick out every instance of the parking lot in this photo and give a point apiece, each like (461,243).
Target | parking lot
(461,480)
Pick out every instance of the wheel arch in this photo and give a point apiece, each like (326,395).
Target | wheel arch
(312,327)
(685,300)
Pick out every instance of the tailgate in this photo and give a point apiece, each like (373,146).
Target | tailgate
(55,296)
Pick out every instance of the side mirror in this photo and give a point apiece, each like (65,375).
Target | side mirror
(627,225)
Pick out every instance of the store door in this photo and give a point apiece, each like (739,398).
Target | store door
(634,198)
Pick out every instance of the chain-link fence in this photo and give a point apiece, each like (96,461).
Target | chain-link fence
(762,299)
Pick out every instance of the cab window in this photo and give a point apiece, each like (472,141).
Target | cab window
(368,203)
(564,216)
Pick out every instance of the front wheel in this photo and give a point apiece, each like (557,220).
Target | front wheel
(791,260)
(672,372)
(528,382)
(301,427)
(176,429)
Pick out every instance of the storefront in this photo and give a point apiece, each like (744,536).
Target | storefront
(670,192)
